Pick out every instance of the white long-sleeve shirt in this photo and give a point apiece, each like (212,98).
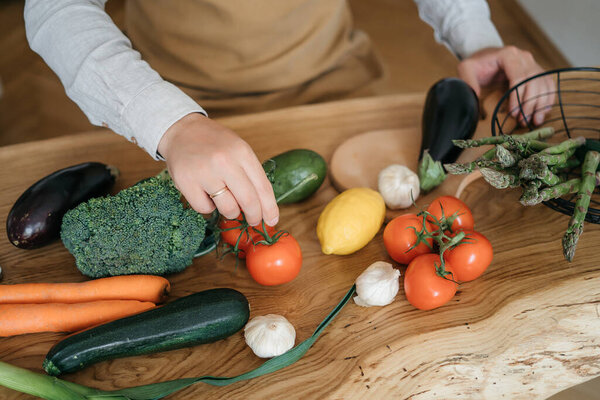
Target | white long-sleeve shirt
(115,88)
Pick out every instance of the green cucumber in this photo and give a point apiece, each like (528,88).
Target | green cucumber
(201,317)
(295,174)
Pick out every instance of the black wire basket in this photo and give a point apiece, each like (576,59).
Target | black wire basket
(574,110)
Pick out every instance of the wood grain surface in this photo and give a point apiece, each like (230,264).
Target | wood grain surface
(526,329)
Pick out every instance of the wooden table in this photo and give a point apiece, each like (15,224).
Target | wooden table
(529,327)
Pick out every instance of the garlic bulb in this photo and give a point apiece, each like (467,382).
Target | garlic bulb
(396,183)
(269,335)
(377,285)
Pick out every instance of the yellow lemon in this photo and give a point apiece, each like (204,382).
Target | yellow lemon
(350,221)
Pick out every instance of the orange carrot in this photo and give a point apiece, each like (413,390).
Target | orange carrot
(17,319)
(127,287)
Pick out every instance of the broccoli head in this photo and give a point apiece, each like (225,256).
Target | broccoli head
(144,229)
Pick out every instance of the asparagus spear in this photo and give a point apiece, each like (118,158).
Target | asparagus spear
(488,155)
(565,146)
(486,160)
(537,134)
(549,178)
(527,168)
(543,173)
(500,179)
(538,145)
(518,146)
(513,142)
(556,191)
(465,144)
(524,147)
(553,159)
(530,190)
(505,157)
(466,168)
(570,163)
(588,182)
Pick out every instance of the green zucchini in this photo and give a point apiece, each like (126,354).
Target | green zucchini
(201,317)
(295,174)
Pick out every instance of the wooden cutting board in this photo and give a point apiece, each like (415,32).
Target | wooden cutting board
(359,159)
(527,328)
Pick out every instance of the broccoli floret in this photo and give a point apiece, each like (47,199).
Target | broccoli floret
(144,229)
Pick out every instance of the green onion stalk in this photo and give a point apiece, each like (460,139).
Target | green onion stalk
(48,387)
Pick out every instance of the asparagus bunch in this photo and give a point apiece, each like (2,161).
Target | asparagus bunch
(538,168)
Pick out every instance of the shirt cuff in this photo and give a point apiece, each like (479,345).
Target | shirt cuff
(472,36)
(475,36)
(152,112)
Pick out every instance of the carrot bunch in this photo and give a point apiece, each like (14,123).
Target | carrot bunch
(69,307)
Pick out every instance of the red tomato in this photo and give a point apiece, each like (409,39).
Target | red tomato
(274,264)
(423,287)
(452,205)
(228,235)
(469,260)
(399,236)
(231,236)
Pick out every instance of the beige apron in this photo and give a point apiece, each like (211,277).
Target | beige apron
(238,56)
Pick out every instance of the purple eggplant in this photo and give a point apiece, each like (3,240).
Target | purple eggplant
(451,112)
(36,216)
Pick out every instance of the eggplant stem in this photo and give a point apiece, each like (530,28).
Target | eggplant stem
(114,171)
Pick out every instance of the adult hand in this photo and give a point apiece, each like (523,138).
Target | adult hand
(203,157)
(512,64)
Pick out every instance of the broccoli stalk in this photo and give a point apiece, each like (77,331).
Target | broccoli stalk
(144,229)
